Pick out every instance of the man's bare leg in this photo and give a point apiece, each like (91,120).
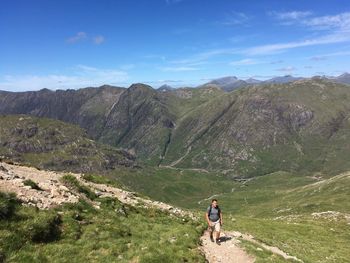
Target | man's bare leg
(211,233)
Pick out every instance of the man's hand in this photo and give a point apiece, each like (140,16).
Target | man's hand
(221,222)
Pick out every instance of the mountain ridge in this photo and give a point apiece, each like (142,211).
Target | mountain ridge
(206,128)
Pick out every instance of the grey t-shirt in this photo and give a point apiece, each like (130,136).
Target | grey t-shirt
(214,214)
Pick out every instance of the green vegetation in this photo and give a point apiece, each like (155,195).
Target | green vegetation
(114,233)
(8,203)
(73,184)
(32,184)
(184,188)
(276,208)
(52,144)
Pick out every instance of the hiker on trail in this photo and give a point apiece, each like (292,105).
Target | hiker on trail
(214,219)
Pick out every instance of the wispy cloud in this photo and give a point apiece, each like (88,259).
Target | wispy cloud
(98,40)
(281,47)
(169,2)
(245,62)
(235,18)
(286,69)
(178,69)
(328,55)
(276,62)
(340,22)
(82,76)
(203,57)
(291,15)
(80,36)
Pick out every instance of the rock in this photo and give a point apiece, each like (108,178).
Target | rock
(63,188)
(172,239)
(3,169)
(98,193)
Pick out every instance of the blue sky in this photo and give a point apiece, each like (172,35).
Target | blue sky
(74,44)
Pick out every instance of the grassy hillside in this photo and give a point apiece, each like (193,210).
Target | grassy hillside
(80,233)
(266,128)
(306,216)
(51,144)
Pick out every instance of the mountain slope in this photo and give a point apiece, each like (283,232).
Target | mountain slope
(228,83)
(266,128)
(85,107)
(52,144)
(298,126)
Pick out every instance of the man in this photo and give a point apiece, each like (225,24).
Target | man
(214,219)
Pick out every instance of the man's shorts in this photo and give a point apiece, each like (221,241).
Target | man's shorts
(215,226)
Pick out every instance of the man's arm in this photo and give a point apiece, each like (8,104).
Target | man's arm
(207,218)
(221,218)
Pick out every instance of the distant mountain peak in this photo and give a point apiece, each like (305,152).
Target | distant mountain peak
(140,86)
(165,87)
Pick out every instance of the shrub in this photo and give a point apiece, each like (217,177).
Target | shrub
(32,184)
(44,228)
(72,183)
(8,203)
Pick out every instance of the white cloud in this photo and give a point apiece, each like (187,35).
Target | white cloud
(292,15)
(169,2)
(326,56)
(281,47)
(287,69)
(245,62)
(98,40)
(78,37)
(177,69)
(83,76)
(81,36)
(235,18)
(340,22)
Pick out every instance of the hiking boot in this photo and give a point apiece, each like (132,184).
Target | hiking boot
(211,238)
(218,242)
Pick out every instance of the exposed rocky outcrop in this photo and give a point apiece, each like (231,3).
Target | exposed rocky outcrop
(54,192)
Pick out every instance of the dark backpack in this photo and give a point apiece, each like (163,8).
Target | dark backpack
(218,208)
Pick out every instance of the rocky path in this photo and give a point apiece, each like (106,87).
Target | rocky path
(229,250)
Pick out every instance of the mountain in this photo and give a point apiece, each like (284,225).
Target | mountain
(86,107)
(253,81)
(52,144)
(139,121)
(344,78)
(266,128)
(165,87)
(247,132)
(228,83)
(283,79)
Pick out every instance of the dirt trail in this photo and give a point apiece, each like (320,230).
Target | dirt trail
(228,252)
